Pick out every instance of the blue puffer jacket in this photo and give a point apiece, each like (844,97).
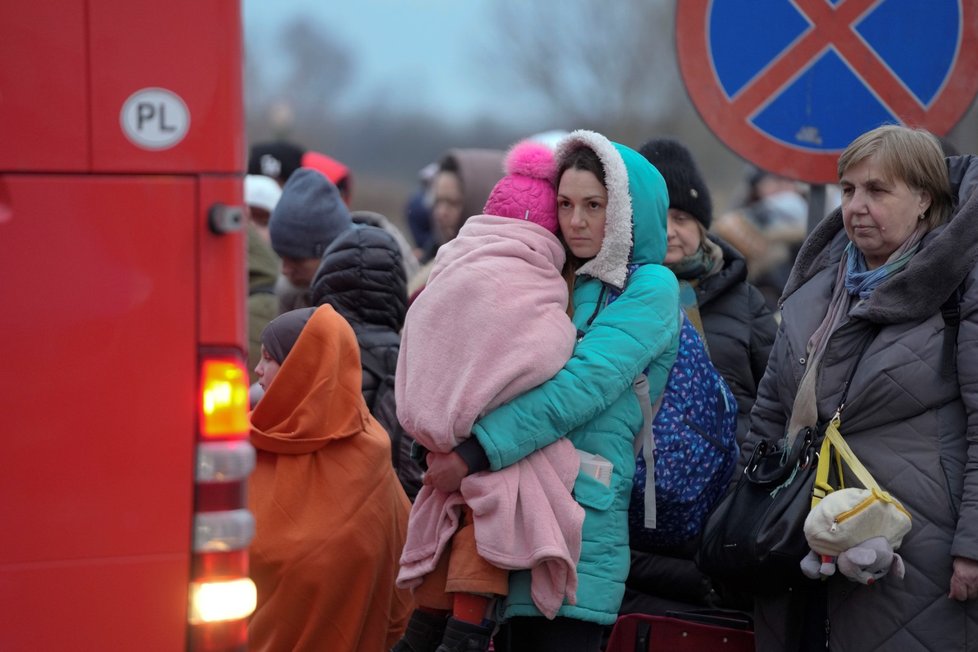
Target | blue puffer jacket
(591,401)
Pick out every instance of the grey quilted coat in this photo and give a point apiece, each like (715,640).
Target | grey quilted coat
(916,431)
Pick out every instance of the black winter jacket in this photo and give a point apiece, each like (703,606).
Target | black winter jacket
(739,328)
(361,275)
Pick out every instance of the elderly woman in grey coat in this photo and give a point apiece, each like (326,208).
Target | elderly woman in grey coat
(873,278)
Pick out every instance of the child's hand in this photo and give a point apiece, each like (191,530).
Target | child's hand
(445,471)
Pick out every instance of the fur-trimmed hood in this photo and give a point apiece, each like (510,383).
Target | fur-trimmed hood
(946,256)
(638,201)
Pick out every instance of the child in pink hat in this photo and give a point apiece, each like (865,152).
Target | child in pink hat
(491,324)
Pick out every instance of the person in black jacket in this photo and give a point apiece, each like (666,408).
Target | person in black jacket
(739,329)
(362,276)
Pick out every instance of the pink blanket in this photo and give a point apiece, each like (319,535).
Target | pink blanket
(490,324)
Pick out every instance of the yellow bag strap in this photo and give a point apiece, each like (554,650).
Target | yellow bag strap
(861,472)
(834,446)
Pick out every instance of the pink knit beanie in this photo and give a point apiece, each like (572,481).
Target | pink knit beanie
(527,191)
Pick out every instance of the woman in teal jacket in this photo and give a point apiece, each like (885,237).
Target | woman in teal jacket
(612,206)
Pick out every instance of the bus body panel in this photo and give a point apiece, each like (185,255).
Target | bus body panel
(98,321)
(112,287)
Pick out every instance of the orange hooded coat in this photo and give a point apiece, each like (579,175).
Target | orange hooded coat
(330,514)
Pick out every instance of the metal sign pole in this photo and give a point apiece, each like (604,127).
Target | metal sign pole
(816,205)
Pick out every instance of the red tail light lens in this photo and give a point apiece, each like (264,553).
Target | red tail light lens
(224,399)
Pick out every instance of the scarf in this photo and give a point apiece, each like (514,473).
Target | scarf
(862,281)
(703,263)
(853,279)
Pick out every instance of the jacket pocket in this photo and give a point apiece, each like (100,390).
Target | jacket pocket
(590,492)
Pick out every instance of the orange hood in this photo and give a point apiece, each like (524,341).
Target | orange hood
(315,398)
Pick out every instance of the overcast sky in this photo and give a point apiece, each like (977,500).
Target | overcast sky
(419,51)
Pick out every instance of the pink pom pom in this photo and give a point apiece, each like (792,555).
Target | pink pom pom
(531,159)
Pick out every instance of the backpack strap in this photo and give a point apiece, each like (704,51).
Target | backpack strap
(951,312)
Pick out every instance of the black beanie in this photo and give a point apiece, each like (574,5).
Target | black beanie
(308,216)
(687,191)
(278,159)
(281,334)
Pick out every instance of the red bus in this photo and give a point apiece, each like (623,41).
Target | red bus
(123,392)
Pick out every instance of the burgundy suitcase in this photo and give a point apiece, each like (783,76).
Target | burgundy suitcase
(680,632)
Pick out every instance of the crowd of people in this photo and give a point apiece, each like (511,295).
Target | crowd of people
(447,418)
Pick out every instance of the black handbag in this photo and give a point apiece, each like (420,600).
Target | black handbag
(755,538)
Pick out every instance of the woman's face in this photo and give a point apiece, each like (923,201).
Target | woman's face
(582,204)
(266,369)
(446,212)
(684,236)
(879,213)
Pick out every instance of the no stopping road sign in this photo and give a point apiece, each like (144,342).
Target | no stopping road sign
(787,84)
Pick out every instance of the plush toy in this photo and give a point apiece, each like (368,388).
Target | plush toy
(865,563)
(815,565)
(856,531)
(870,561)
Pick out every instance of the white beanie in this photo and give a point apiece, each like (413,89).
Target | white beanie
(261,191)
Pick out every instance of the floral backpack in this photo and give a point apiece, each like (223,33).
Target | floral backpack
(692,450)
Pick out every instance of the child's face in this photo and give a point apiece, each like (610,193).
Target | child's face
(266,369)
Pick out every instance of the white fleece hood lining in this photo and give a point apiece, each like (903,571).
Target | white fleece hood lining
(611,262)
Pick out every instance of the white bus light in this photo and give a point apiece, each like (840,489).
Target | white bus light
(212,602)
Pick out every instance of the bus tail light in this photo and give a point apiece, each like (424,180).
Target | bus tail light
(221,595)
(224,399)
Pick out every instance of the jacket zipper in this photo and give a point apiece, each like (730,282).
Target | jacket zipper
(597,306)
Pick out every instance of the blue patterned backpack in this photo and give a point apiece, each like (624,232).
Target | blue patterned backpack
(694,432)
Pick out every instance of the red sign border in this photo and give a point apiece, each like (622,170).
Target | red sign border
(704,89)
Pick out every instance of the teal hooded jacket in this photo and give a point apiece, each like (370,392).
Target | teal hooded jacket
(591,400)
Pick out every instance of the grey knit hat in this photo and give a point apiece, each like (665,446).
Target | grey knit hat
(687,191)
(308,216)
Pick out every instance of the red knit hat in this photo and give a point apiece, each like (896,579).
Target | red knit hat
(333,170)
(527,191)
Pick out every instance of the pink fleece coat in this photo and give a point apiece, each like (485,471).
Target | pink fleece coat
(490,325)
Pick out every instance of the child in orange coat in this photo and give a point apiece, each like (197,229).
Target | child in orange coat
(331,516)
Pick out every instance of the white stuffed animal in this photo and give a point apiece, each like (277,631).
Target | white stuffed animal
(856,531)
(870,561)
(865,563)
(815,565)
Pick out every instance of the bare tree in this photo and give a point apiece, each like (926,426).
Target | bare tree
(596,63)
(297,95)
(321,67)
(608,66)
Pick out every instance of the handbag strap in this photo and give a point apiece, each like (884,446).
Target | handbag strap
(833,438)
(852,372)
